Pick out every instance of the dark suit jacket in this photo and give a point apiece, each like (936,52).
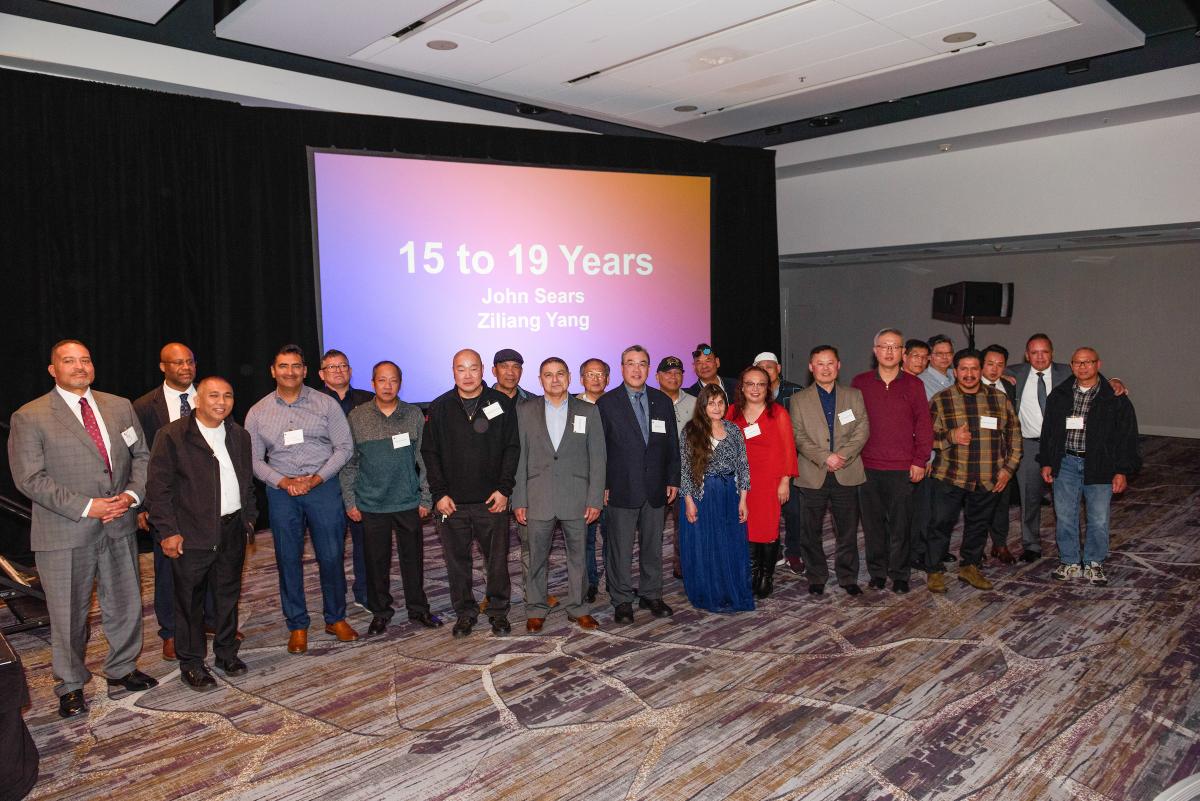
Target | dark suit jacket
(638,472)
(151,410)
(727,383)
(354,398)
(1058,373)
(184,483)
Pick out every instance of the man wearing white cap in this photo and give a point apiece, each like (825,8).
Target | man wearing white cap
(793,521)
(781,389)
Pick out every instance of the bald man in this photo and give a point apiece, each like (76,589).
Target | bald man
(471,451)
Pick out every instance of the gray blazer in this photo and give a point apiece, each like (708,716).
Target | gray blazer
(55,463)
(1058,373)
(560,484)
(812,436)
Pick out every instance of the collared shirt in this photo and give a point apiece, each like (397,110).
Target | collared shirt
(1031,410)
(935,382)
(556,421)
(1081,404)
(72,401)
(387,471)
(172,396)
(231,495)
(326,442)
(828,405)
(352,399)
(976,465)
(635,401)
(584,397)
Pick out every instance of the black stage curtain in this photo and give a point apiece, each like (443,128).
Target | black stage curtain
(132,218)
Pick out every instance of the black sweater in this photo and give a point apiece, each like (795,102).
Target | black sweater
(462,462)
(1111,433)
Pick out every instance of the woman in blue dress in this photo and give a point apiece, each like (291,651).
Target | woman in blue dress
(714,481)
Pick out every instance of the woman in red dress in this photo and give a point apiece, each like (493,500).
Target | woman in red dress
(771,450)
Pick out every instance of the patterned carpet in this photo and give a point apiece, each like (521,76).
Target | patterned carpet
(1031,691)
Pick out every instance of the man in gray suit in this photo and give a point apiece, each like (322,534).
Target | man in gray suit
(80,456)
(560,479)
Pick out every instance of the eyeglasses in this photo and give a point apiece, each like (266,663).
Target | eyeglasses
(336,368)
(594,374)
(182,363)
(889,347)
(1084,362)
(759,384)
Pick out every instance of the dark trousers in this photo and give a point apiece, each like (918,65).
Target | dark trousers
(358,560)
(948,501)
(793,522)
(589,553)
(998,527)
(922,521)
(844,503)
(164,594)
(644,524)
(196,571)
(377,528)
(472,522)
(886,502)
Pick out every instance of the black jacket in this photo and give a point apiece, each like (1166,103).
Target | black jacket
(183,483)
(1111,433)
(464,463)
(639,472)
(354,398)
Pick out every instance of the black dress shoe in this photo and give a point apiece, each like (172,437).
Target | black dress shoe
(878,583)
(623,613)
(426,619)
(852,589)
(949,557)
(134,681)
(378,626)
(900,587)
(816,589)
(1030,556)
(232,666)
(677,573)
(656,607)
(500,625)
(199,679)
(71,704)
(463,626)
(591,593)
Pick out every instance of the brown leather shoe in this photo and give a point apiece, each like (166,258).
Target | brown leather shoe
(483,605)
(971,575)
(169,649)
(551,601)
(342,631)
(586,622)
(298,641)
(1004,555)
(534,624)
(936,582)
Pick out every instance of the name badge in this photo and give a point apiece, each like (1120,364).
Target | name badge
(658,427)
(580,424)
(401,440)
(493,409)
(1074,423)
(988,422)
(293,437)
(751,431)
(846,417)
(130,436)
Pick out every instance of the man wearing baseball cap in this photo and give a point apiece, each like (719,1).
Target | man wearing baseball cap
(706,364)
(782,390)
(507,366)
(670,381)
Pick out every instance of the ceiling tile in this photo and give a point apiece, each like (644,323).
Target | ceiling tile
(150,11)
(1011,26)
(947,14)
(493,20)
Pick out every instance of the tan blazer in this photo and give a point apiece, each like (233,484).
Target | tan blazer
(812,436)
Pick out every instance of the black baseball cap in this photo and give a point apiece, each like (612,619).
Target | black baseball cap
(507,355)
(670,363)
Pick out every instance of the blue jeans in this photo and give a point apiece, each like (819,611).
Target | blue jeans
(322,510)
(1068,487)
(589,551)
(359,587)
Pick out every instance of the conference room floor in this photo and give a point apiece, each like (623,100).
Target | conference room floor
(1033,690)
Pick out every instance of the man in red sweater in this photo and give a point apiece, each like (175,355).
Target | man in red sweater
(895,456)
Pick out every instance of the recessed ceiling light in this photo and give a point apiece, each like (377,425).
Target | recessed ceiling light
(961,36)
(685,108)
(716,57)
(944,147)
(441,44)
(825,121)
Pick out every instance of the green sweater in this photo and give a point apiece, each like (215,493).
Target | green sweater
(386,472)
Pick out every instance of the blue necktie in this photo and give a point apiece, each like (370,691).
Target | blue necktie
(184,407)
(643,423)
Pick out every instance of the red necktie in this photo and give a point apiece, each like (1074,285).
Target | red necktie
(93,429)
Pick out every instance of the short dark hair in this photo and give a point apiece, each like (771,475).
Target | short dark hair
(552,360)
(288,349)
(820,348)
(1003,351)
(377,365)
(329,354)
(916,343)
(603,364)
(202,381)
(1036,337)
(967,353)
(938,339)
(63,343)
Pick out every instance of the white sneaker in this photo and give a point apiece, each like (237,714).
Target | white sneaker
(1066,572)
(1095,574)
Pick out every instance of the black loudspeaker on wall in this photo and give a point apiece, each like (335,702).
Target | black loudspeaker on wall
(973,301)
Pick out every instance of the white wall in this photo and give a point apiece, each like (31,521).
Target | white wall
(1139,310)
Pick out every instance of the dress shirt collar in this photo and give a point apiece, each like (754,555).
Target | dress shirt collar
(72,399)
(305,391)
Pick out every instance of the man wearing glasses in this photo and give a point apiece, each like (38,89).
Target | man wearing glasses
(706,364)
(335,372)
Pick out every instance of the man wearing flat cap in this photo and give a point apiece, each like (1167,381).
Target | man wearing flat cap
(507,366)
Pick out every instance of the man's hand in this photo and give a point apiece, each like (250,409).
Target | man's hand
(961,435)
(354,514)
(522,515)
(144,521)
(916,473)
(423,511)
(1047,475)
(784,490)
(118,505)
(445,506)
(1119,483)
(100,508)
(672,493)
(497,502)
(1118,388)
(172,546)
(606,497)
(1002,481)
(1011,379)
(590,515)
(294,486)
(834,462)
(690,509)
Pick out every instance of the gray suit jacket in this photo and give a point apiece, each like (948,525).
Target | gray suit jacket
(560,484)
(1058,373)
(55,463)
(812,436)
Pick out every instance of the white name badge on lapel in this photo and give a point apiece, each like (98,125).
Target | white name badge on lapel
(293,437)
(401,440)
(493,409)
(846,417)
(658,427)
(130,436)
(751,431)
(580,424)
(1074,423)
(988,422)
